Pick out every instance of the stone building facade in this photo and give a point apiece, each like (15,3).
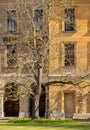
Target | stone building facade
(69,56)
(69,33)
(20,21)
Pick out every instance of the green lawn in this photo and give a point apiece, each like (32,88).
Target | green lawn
(45,126)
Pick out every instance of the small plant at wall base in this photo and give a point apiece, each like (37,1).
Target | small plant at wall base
(27,120)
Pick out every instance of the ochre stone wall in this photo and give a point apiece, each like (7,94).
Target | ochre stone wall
(57,70)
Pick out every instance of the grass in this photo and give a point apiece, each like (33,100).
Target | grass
(45,125)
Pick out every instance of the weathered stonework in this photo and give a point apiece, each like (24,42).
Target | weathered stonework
(25,30)
(56,115)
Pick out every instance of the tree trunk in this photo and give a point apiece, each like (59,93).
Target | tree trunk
(46,102)
(37,99)
(37,96)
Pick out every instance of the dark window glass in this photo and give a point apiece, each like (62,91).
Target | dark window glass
(38,17)
(12,24)
(11,55)
(69,55)
(69,17)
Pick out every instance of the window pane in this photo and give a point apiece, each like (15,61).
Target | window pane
(11,55)
(38,16)
(12,25)
(69,17)
(69,54)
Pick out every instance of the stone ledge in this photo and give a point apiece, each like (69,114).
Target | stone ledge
(57,115)
(81,116)
(24,114)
